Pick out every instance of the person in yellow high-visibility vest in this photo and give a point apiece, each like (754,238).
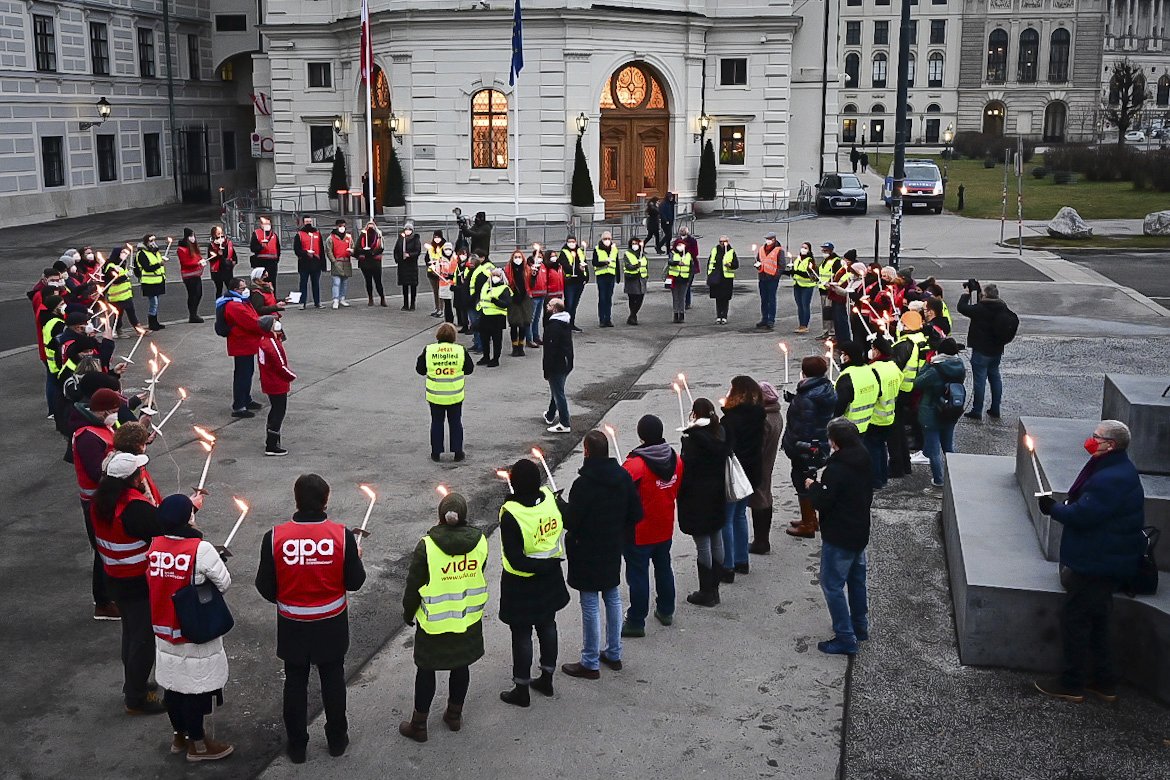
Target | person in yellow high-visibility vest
(445,364)
(532,584)
(445,595)
(150,266)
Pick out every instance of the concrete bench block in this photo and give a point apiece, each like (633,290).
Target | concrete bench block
(1137,401)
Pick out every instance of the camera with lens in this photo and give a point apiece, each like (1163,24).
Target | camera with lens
(809,456)
(459,218)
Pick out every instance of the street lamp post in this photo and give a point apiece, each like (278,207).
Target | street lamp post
(948,136)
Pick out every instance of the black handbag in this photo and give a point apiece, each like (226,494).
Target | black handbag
(202,612)
(1145,581)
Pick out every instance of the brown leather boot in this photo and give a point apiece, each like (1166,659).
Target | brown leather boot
(207,749)
(415,728)
(453,717)
(807,528)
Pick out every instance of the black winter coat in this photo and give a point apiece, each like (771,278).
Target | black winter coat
(604,507)
(307,263)
(557,354)
(526,601)
(702,496)
(809,412)
(981,336)
(842,497)
(744,425)
(406,253)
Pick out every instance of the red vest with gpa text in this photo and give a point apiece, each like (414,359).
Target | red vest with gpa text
(122,555)
(310,569)
(170,566)
(86,485)
(267,245)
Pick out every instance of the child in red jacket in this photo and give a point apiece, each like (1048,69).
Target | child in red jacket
(276,379)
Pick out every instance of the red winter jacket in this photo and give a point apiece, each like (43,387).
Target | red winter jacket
(658,499)
(190,262)
(555,281)
(244,337)
(276,377)
(538,280)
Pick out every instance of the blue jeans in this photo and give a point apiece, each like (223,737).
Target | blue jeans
(803,297)
(537,316)
(558,403)
(245,369)
(735,534)
(875,438)
(152,305)
(476,337)
(841,568)
(591,626)
(453,415)
(936,441)
(340,287)
(52,391)
(768,285)
(985,369)
(605,284)
(315,277)
(573,292)
(638,558)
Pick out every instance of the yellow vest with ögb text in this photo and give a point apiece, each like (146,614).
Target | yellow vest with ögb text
(445,374)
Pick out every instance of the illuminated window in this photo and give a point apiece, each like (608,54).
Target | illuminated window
(731,144)
(489,129)
(997,44)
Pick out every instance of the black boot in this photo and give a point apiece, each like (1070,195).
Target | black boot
(518,696)
(544,683)
(761,525)
(708,593)
(153,322)
(724,574)
(272,445)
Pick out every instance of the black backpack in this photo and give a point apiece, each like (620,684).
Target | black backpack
(222,326)
(1145,581)
(951,402)
(1005,326)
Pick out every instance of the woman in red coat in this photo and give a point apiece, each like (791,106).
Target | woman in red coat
(222,259)
(276,379)
(191,265)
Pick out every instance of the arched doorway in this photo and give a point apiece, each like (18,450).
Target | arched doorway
(635,136)
(994,118)
(380,112)
(1055,118)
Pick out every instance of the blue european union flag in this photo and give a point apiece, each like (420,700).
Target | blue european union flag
(517,46)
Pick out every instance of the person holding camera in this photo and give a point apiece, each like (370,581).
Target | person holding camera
(993,326)
(478,233)
(843,496)
(805,438)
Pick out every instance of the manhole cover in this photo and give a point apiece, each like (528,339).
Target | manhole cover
(627,395)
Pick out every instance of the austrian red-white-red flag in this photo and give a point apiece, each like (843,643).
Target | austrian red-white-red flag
(367,50)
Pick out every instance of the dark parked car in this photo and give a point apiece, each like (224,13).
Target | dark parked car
(841,192)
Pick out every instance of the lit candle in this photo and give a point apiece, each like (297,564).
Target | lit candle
(243,507)
(167,253)
(611,432)
(150,410)
(552,483)
(682,378)
(209,448)
(829,357)
(1031,445)
(784,349)
(681,414)
(504,475)
(369,491)
(870,335)
(175,408)
(141,333)
(442,490)
(165,364)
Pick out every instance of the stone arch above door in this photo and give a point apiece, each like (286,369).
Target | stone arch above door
(634,154)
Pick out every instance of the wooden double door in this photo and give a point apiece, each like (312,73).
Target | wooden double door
(635,158)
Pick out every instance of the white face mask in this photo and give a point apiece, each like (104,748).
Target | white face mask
(56,282)
(517,260)
(277,327)
(73,268)
(89,256)
(220,240)
(341,230)
(266,228)
(636,247)
(571,245)
(605,242)
(680,248)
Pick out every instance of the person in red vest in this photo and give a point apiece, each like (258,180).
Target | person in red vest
(124,521)
(192,674)
(191,265)
(769,262)
(339,253)
(92,442)
(243,342)
(276,380)
(222,259)
(310,260)
(306,566)
(265,246)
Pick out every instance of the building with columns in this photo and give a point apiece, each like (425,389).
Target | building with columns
(100,109)
(1136,29)
(645,79)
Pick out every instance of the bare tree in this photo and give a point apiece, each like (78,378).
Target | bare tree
(1127,95)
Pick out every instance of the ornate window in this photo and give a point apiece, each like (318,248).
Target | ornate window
(852,70)
(1058,56)
(634,87)
(1029,54)
(380,95)
(489,129)
(911,64)
(997,46)
(934,70)
(880,63)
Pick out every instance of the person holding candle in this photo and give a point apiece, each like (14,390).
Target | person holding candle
(119,286)
(881,427)
(576,272)
(538,287)
(532,583)
(721,266)
(444,598)
(678,271)
(339,253)
(805,440)
(557,364)
(769,262)
(494,299)
(604,507)
(191,265)
(407,248)
(265,246)
(606,272)
(222,259)
(702,496)
(319,561)
(520,309)
(637,270)
(939,382)
(150,266)
(743,421)
(93,440)
(193,674)
(909,353)
(761,500)
(276,380)
(369,254)
(657,471)
(310,251)
(261,294)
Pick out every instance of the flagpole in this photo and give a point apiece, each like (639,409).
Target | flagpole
(516,157)
(368,55)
